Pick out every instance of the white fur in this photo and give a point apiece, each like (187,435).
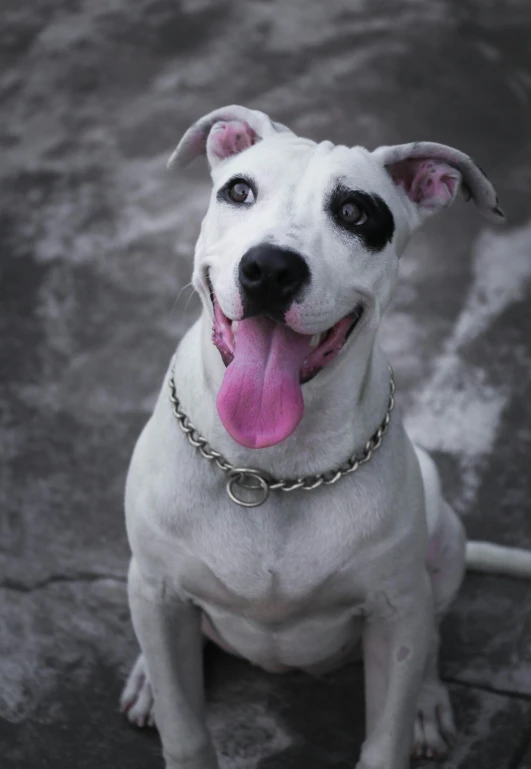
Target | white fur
(301,581)
(486,557)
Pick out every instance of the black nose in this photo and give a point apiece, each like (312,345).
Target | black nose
(271,278)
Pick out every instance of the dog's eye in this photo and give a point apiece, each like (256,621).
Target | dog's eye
(350,213)
(241,192)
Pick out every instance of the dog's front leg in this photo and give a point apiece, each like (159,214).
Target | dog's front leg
(395,649)
(169,633)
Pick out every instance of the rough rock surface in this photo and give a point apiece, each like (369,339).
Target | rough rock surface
(95,257)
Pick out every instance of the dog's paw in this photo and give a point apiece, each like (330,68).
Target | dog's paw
(137,697)
(434,725)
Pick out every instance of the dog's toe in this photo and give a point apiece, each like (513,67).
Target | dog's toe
(434,724)
(140,713)
(137,697)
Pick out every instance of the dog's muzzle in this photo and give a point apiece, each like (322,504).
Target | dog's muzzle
(260,401)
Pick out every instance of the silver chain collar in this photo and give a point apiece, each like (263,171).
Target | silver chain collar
(258,481)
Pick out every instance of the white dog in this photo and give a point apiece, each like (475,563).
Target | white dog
(295,265)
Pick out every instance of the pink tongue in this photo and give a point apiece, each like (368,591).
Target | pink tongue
(260,400)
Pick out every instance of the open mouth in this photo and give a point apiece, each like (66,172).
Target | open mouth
(260,401)
(323,348)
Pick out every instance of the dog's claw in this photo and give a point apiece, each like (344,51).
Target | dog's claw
(125,706)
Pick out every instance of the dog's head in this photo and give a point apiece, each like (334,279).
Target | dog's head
(298,252)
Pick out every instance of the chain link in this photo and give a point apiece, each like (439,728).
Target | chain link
(258,481)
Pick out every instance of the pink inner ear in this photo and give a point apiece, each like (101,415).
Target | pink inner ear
(229,138)
(426,181)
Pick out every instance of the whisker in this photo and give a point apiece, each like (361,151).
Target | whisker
(187,285)
(190,297)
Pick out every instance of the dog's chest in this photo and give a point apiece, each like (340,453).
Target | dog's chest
(273,561)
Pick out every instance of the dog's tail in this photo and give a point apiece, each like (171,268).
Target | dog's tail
(496,559)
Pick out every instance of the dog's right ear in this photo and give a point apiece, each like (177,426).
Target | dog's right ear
(223,133)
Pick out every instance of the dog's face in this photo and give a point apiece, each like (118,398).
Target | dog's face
(298,253)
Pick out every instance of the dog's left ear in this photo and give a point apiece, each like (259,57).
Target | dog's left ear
(223,133)
(431,174)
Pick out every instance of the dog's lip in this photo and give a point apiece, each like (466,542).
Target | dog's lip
(326,345)
(210,288)
(331,343)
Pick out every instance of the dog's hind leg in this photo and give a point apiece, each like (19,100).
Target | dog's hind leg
(445,562)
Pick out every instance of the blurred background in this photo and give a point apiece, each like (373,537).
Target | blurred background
(96,244)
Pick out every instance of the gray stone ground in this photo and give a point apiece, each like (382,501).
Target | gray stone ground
(95,252)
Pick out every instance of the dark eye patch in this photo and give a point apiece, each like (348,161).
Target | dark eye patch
(223,194)
(377,231)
